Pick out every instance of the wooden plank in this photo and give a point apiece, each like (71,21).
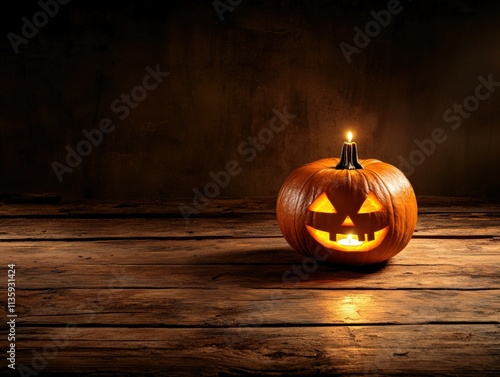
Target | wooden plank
(429,225)
(260,263)
(446,225)
(437,350)
(244,251)
(220,207)
(393,276)
(250,307)
(137,228)
(211,298)
(91,209)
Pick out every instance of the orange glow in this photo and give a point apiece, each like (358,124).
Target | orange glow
(349,241)
(324,239)
(349,136)
(351,305)
(347,222)
(322,204)
(371,204)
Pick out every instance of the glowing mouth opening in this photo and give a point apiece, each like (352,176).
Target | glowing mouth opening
(348,242)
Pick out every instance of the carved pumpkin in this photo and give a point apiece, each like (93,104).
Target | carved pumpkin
(349,212)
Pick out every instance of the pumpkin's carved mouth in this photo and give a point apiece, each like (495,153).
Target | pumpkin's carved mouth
(345,230)
(349,241)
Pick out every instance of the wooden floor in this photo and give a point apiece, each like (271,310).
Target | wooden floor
(108,289)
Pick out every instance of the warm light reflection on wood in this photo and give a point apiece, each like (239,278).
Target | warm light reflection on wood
(352,307)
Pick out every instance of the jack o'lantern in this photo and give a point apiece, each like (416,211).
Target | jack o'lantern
(347,212)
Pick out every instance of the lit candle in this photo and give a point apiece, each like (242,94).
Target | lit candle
(349,155)
(349,241)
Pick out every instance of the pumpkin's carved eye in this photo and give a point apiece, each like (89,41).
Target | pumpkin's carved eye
(322,204)
(371,204)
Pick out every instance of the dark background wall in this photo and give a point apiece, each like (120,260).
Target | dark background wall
(226,77)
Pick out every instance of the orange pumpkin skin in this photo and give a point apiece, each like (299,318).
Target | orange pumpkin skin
(390,223)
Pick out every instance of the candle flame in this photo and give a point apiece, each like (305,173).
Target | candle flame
(350,240)
(349,136)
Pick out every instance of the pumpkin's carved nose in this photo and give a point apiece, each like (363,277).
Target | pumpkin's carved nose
(347,222)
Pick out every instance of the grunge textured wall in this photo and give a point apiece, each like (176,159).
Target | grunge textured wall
(151,99)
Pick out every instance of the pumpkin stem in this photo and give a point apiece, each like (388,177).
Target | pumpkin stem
(349,157)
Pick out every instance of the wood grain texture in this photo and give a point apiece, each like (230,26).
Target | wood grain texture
(264,225)
(231,71)
(240,251)
(263,263)
(238,277)
(451,350)
(114,289)
(217,207)
(255,307)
